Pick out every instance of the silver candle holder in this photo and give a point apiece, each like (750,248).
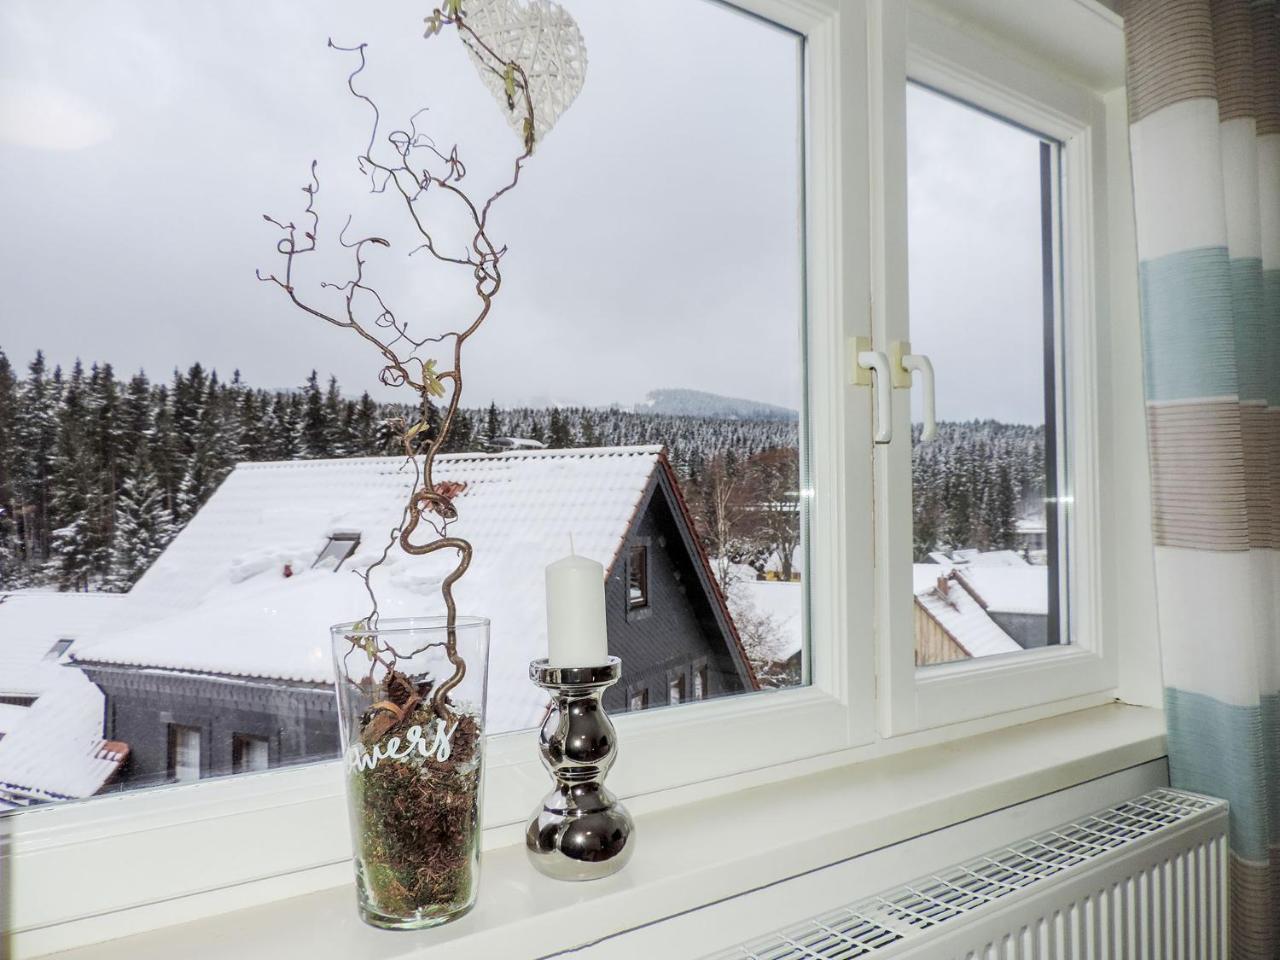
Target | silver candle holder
(580,831)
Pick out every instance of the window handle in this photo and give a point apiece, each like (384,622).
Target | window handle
(904,364)
(867,362)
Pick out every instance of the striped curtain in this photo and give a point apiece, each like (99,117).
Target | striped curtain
(1204,113)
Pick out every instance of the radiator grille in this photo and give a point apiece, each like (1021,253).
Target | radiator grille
(1146,880)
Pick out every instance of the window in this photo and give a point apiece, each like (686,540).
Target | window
(58,649)
(984,262)
(184,753)
(675,689)
(727,356)
(249,754)
(638,578)
(338,549)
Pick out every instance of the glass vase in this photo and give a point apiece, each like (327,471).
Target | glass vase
(411,703)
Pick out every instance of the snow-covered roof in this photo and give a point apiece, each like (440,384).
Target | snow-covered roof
(31,622)
(217,602)
(1023,589)
(57,751)
(958,613)
(988,558)
(52,749)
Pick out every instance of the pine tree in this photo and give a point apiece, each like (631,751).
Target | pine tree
(364,428)
(78,550)
(315,434)
(37,437)
(12,562)
(254,444)
(492,425)
(336,439)
(143,527)
(587,430)
(286,427)
(461,434)
(163,450)
(136,421)
(559,434)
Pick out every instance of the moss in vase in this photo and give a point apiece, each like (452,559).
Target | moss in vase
(419,822)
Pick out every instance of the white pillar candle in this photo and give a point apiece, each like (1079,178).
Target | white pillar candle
(576,634)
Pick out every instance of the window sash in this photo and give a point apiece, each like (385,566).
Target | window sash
(959,64)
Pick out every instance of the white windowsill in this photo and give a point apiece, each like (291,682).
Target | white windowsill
(695,854)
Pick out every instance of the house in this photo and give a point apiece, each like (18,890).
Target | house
(974,604)
(950,622)
(51,743)
(221,661)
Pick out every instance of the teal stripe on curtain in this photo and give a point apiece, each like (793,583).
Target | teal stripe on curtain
(1252,343)
(1188,325)
(1271,325)
(1222,750)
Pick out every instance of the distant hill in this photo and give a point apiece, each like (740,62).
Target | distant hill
(695,403)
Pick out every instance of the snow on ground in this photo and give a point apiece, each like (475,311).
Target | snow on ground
(782,602)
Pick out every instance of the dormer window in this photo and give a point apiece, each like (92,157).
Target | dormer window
(59,648)
(341,545)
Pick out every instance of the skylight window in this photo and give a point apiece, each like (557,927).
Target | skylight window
(59,648)
(338,549)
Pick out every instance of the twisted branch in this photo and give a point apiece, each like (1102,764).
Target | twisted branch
(414,166)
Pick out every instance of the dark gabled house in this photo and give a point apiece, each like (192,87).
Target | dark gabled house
(218,661)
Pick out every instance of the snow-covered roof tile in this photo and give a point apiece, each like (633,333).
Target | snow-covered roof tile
(56,751)
(958,613)
(216,601)
(31,622)
(1023,589)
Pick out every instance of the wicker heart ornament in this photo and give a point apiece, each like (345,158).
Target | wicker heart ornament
(544,39)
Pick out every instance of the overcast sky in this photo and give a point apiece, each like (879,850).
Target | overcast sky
(654,241)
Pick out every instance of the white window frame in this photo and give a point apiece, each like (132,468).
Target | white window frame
(294,821)
(90,871)
(954,61)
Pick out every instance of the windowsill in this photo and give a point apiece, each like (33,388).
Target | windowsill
(698,853)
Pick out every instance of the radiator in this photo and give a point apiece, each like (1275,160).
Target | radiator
(1144,880)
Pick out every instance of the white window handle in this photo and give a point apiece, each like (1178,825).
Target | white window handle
(904,364)
(867,362)
(918,361)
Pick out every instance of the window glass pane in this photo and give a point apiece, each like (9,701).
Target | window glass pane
(983,264)
(184,753)
(652,305)
(249,754)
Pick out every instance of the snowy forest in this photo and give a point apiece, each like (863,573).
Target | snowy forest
(973,483)
(98,473)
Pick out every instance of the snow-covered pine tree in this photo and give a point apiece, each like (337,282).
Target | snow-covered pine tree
(254,442)
(559,434)
(143,527)
(315,435)
(492,425)
(37,437)
(12,565)
(78,549)
(364,427)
